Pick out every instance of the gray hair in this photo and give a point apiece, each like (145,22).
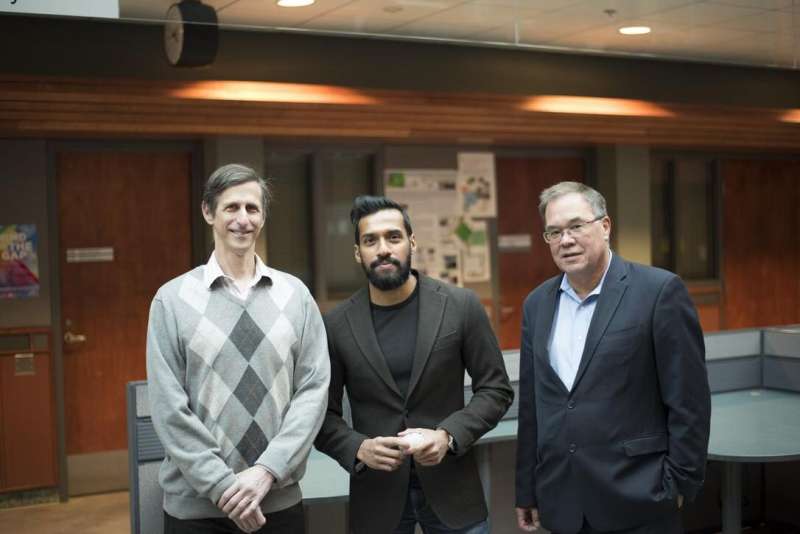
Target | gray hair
(592,196)
(231,175)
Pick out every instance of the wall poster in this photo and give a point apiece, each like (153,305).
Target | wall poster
(451,246)
(19,262)
(429,196)
(477,189)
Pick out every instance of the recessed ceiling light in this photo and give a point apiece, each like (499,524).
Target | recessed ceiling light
(634,30)
(295,3)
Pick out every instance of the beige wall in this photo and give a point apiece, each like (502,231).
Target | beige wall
(623,176)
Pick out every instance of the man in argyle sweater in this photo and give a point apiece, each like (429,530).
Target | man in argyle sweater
(238,372)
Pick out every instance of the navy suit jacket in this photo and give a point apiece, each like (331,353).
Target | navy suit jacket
(632,434)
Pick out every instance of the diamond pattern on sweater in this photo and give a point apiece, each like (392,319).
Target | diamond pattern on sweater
(252,444)
(213,393)
(194,293)
(281,389)
(282,336)
(246,335)
(225,444)
(250,391)
(280,291)
(207,341)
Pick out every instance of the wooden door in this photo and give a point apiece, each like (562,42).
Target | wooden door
(761,252)
(522,268)
(137,205)
(27,425)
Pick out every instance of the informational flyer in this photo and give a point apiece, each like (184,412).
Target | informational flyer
(423,191)
(19,262)
(475,258)
(477,187)
(445,207)
(429,196)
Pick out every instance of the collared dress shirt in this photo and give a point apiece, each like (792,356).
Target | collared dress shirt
(214,271)
(570,326)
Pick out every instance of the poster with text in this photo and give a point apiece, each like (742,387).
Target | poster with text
(19,263)
(477,190)
(475,258)
(429,196)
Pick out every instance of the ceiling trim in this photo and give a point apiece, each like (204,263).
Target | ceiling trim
(50,106)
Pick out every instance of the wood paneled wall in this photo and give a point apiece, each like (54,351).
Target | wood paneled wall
(707,298)
(40,107)
(761,242)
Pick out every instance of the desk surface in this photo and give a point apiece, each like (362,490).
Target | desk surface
(326,481)
(758,425)
(746,426)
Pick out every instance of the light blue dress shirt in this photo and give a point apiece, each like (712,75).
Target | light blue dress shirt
(570,326)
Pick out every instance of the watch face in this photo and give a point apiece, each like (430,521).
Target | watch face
(173,34)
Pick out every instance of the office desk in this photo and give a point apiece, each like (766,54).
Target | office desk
(326,481)
(757,425)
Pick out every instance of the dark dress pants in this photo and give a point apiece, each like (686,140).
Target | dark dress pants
(669,524)
(288,521)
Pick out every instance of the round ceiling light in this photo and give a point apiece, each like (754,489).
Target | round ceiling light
(635,30)
(295,3)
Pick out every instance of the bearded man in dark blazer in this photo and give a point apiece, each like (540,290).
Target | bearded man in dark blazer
(400,346)
(614,400)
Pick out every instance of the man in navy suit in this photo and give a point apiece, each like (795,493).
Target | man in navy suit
(614,404)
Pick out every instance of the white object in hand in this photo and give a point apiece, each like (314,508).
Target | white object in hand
(413,439)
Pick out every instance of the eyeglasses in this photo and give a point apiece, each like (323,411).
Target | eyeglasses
(574,229)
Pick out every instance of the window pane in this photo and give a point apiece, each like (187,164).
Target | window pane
(694,221)
(345,175)
(684,208)
(289,222)
(661,196)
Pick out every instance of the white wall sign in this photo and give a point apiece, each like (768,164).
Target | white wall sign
(90,254)
(105,9)
(514,242)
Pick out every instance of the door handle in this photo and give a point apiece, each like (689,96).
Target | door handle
(71,338)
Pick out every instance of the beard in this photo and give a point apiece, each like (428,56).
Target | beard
(388,281)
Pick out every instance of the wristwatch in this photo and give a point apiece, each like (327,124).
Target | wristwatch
(451,443)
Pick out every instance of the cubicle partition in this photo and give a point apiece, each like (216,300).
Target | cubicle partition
(781,363)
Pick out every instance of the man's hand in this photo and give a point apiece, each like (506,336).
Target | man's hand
(528,519)
(680,502)
(431,448)
(384,453)
(242,500)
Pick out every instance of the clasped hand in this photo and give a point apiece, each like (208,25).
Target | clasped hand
(242,500)
(386,453)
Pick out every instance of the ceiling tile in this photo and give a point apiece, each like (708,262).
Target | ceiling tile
(700,14)
(570,20)
(376,16)
(266,13)
(641,8)
(761,4)
(541,5)
(763,21)
(466,20)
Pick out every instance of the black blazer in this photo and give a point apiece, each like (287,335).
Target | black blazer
(633,432)
(453,334)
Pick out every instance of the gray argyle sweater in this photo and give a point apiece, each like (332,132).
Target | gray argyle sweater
(234,383)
